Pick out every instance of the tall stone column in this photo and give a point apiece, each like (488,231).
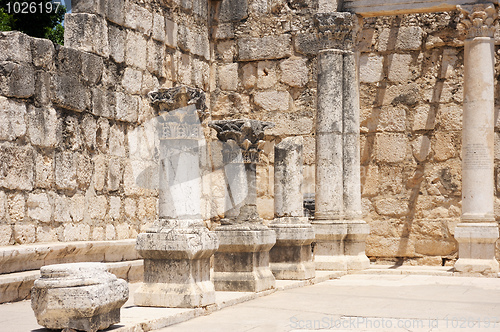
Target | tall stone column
(478,231)
(242,262)
(340,231)
(177,249)
(291,256)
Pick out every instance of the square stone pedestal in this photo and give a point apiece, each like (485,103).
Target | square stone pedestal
(291,256)
(176,268)
(476,248)
(355,245)
(329,247)
(242,262)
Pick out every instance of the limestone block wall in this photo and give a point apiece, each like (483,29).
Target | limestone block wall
(76,153)
(264,55)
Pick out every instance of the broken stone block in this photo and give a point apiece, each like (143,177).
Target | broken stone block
(79,296)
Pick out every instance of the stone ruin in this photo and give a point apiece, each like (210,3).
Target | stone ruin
(395,114)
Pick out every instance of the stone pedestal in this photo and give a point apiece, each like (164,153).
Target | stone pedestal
(340,231)
(478,230)
(177,249)
(291,256)
(79,296)
(242,261)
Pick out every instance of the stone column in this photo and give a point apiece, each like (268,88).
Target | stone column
(177,249)
(340,233)
(478,231)
(242,262)
(291,256)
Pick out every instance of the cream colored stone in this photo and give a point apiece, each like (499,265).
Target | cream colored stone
(371,68)
(17,207)
(24,233)
(421,147)
(132,80)
(110,232)
(386,118)
(228,77)
(57,296)
(130,206)
(294,72)
(267,75)
(445,145)
(226,50)
(393,207)
(47,234)
(449,118)
(39,207)
(448,63)
(249,78)
(6,235)
(369,180)
(78,205)
(98,234)
(390,148)
(123,231)
(97,207)
(273,100)
(399,67)
(135,47)
(390,247)
(76,232)
(114,207)
(424,118)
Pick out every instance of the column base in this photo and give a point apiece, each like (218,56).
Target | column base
(476,248)
(329,248)
(242,262)
(355,244)
(291,256)
(176,268)
(340,245)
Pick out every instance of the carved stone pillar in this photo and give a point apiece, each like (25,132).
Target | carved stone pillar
(478,231)
(340,233)
(291,256)
(177,249)
(242,262)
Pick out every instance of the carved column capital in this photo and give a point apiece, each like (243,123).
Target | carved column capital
(337,30)
(181,111)
(478,20)
(247,134)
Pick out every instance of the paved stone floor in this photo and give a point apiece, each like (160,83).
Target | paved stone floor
(361,302)
(366,303)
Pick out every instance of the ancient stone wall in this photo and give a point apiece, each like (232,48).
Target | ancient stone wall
(75,140)
(74,132)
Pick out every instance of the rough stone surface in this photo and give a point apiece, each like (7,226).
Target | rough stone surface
(79,296)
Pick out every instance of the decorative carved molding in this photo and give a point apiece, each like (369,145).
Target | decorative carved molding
(247,134)
(337,30)
(181,111)
(478,20)
(173,98)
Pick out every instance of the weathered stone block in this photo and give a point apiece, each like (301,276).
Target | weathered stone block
(44,127)
(92,68)
(86,32)
(43,52)
(115,209)
(44,171)
(97,207)
(80,296)
(76,232)
(17,80)
(62,207)
(306,44)
(184,68)
(89,6)
(5,235)
(39,207)
(24,233)
(116,37)
(12,124)
(228,77)
(267,75)
(65,170)
(84,171)
(268,47)
(138,18)
(386,118)
(233,11)
(99,172)
(156,58)
(115,11)
(126,108)
(171,33)
(42,87)
(446,145)
(393,207)
(132,81)
(273,100)
(15,46)
(117,141)
(294,72)
(135,46)
(421,147)
(399,67)
(424,118)
(201,45)
(17,207)
(371,68)
(103,103)
(402,38)
(18,167)
(390,148)
(69,92)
